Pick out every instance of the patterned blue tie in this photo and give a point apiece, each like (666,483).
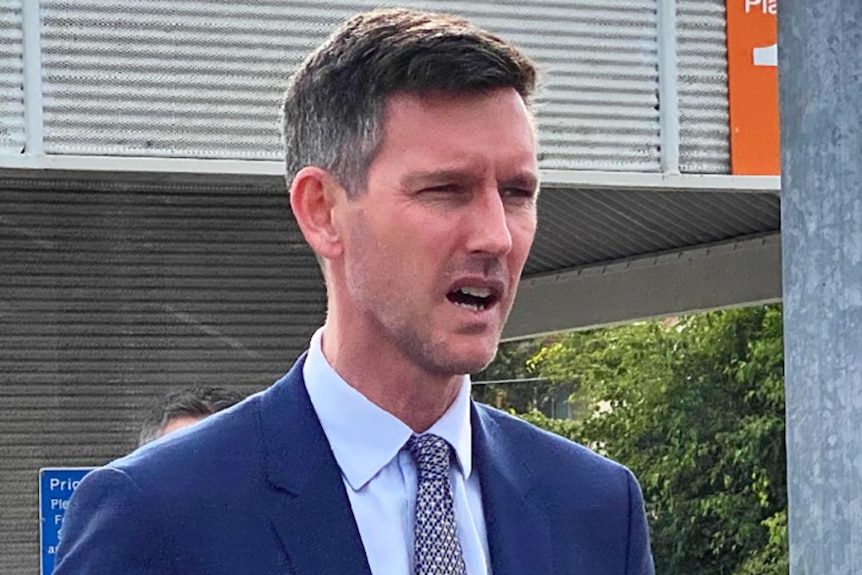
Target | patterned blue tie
(436,550)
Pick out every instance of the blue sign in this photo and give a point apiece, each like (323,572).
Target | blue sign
(55,489)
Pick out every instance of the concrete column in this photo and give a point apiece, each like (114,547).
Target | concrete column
(820,87)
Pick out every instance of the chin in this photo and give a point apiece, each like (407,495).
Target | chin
(451,356)
(467,363)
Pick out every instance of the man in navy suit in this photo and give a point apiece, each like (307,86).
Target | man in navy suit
(411,156)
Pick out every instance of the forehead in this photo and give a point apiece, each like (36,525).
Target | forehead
(434,106)
(494,126)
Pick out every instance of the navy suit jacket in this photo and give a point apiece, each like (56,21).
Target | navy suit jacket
(256,489)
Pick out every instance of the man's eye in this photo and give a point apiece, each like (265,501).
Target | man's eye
(442,189)
(518,193)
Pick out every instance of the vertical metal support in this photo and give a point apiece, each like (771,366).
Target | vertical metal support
(32,52)
(820,94)
(668,91)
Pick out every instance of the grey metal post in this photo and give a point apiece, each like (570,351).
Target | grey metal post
(820,83)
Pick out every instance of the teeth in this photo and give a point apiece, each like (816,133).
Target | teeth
(476,291)
(470,306)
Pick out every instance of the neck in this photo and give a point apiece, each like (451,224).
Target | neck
(390,380)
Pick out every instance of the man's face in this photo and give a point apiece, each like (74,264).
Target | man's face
(434,247)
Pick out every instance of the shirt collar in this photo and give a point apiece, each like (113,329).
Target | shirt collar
(364,438)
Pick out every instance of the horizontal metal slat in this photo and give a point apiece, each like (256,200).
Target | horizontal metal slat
(128,247)
(285,306)
(81,324)
(277,261)
(239,295)
(143,275)
(36,386)
(192,366)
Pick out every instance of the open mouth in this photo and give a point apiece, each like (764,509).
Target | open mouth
(474,298)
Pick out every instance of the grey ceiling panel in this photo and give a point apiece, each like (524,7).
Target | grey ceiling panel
(584,227)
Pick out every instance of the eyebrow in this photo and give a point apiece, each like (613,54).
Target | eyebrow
(526,179)
(421,179)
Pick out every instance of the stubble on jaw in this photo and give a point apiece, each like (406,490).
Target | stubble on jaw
(430,357)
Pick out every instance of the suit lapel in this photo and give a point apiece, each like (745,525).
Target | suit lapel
(519,537)
(310,510)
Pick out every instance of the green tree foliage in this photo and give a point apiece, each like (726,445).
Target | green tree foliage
(695,407)
(511,383)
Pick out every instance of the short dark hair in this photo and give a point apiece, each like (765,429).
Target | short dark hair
(198,402)
(333,107)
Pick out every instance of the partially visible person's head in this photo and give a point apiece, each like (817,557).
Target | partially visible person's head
(181,408)
(333,110)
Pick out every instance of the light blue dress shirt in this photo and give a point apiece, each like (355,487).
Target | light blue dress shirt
(380,476)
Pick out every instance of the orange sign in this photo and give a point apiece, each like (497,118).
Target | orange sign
(752,71)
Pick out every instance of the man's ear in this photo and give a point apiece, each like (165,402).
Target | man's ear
(314,194)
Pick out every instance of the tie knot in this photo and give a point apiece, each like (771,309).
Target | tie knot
(431,454)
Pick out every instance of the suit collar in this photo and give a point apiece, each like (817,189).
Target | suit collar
(295,445)
(311,512)
(519,535)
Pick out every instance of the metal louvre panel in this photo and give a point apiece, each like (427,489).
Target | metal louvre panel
(11,79)
(597,108)
(111,293)
(583,227)
(177,79)
(704,123)
(203,79)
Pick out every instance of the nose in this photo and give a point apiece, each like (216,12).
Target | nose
(489,226)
